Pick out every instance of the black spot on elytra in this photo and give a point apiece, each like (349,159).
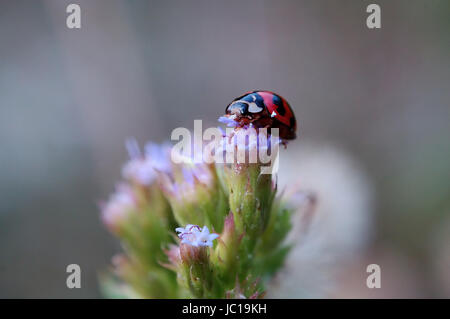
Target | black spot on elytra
(279,103)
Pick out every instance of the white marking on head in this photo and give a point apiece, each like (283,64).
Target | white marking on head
(273,114)
(254,108)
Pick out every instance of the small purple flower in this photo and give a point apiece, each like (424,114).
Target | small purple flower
(195,236)
(193,175)
(188,175)
(228,121)
(159,154)
(119,205)
(183,231)
(184,178)
(142,168)
(248,142)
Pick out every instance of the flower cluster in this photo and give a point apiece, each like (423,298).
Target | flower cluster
(195,236)
(159,198)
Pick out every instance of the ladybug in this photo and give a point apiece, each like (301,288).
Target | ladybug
(263,109)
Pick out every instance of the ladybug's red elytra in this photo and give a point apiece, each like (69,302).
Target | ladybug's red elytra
(263,109)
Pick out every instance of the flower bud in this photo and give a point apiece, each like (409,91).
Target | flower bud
(142,168)
(118,208)
(194,254)
(250,190)
(226,254)
(195,195)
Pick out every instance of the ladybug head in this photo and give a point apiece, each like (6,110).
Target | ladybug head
(246,105)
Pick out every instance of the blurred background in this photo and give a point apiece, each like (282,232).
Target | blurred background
(70,98)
